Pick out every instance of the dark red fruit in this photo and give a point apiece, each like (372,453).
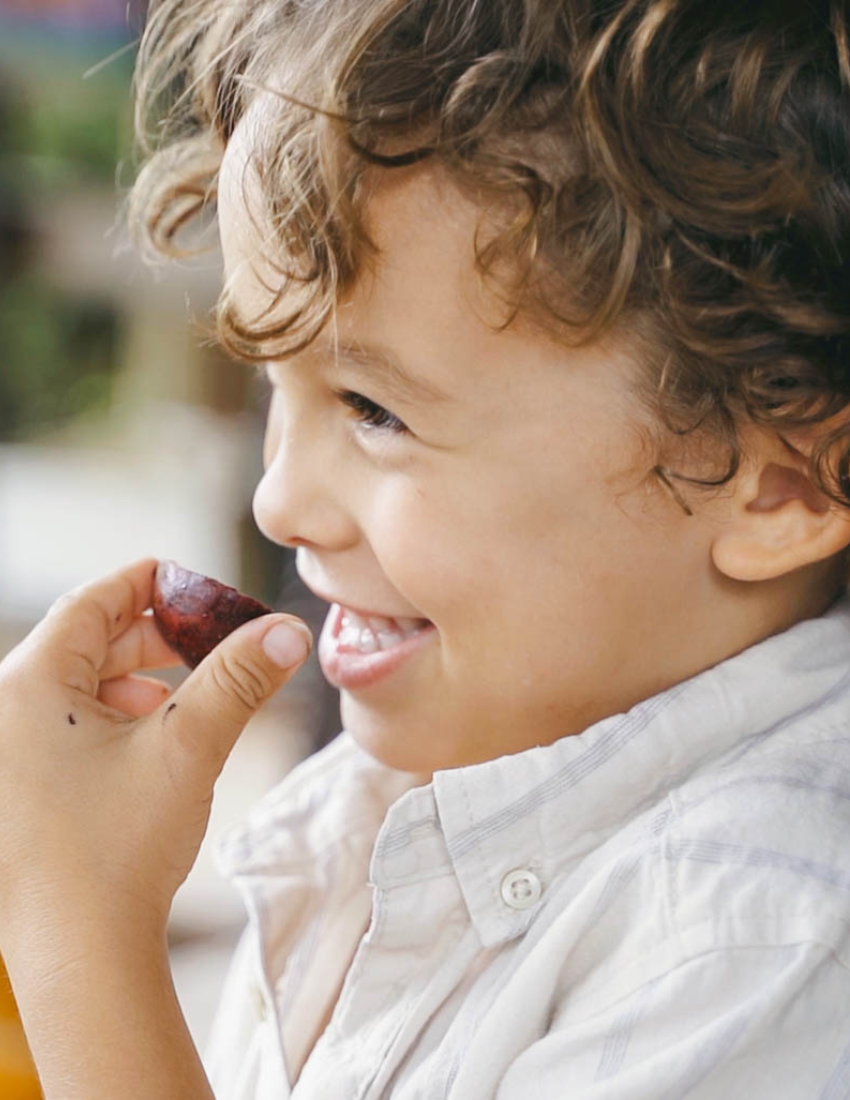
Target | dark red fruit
(195,612)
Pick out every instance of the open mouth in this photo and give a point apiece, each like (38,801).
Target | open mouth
(361,633)
(356,650)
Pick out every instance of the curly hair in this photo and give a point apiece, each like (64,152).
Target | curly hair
(674,170)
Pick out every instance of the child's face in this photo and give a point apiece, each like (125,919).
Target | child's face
(514,515)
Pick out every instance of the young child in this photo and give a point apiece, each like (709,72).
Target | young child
(553,299)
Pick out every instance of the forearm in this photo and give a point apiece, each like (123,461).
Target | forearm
(101,1015)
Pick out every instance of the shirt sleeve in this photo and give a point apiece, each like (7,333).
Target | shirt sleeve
(760,1022)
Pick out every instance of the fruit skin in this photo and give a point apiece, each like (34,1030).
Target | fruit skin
(194,612)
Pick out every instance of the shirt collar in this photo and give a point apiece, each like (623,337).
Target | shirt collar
(544,808)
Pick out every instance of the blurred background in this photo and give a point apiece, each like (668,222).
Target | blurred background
(122,432)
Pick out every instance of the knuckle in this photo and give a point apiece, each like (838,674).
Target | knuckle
(243,680)
(79,603)
(63,602)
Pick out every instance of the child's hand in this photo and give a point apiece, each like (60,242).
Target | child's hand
(106,780)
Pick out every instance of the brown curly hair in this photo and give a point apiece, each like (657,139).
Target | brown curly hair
(671,169)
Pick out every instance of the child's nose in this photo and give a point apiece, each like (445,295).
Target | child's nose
(299,501)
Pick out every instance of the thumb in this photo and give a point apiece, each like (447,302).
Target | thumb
(209,710)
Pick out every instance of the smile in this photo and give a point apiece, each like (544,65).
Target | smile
(369,633)
(357,650)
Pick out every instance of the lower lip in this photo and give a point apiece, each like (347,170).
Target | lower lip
(348,669)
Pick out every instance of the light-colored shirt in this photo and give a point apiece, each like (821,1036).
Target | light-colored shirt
(656,908)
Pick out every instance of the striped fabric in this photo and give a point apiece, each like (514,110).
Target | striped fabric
(657,908)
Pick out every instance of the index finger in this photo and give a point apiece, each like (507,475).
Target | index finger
(76,633)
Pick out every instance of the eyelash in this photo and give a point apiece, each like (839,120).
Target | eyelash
(372,415)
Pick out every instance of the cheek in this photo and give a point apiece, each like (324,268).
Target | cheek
(527,542)
(424,547)
(455,554)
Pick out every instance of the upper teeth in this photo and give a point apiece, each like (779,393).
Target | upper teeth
(368,633)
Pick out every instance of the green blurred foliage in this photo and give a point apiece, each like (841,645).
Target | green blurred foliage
(69,112)
(58,358)
(65,141)
(60,130)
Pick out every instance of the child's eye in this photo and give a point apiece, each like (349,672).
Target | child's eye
(370,414)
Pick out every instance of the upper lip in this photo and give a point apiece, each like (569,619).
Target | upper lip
(359,610)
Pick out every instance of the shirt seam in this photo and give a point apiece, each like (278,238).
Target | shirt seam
(686,957)
(670,888)
(670,902)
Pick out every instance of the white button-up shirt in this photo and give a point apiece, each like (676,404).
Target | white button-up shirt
(656,908)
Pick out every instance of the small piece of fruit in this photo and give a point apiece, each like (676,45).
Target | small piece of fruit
(194,612)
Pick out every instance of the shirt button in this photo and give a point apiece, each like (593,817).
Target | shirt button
(521,889)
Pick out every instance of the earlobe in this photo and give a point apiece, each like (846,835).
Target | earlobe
(780,522)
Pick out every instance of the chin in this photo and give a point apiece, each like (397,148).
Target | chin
(393,753)
(395,744)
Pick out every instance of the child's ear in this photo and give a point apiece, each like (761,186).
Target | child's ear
(779,521)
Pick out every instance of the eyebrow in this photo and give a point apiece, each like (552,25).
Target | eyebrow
(380,365)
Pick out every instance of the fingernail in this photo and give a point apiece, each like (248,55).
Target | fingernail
(287,644)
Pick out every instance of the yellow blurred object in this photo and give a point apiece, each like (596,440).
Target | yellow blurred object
(18,1079)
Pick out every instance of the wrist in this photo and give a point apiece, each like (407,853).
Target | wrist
(101,1014)
(46,930)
